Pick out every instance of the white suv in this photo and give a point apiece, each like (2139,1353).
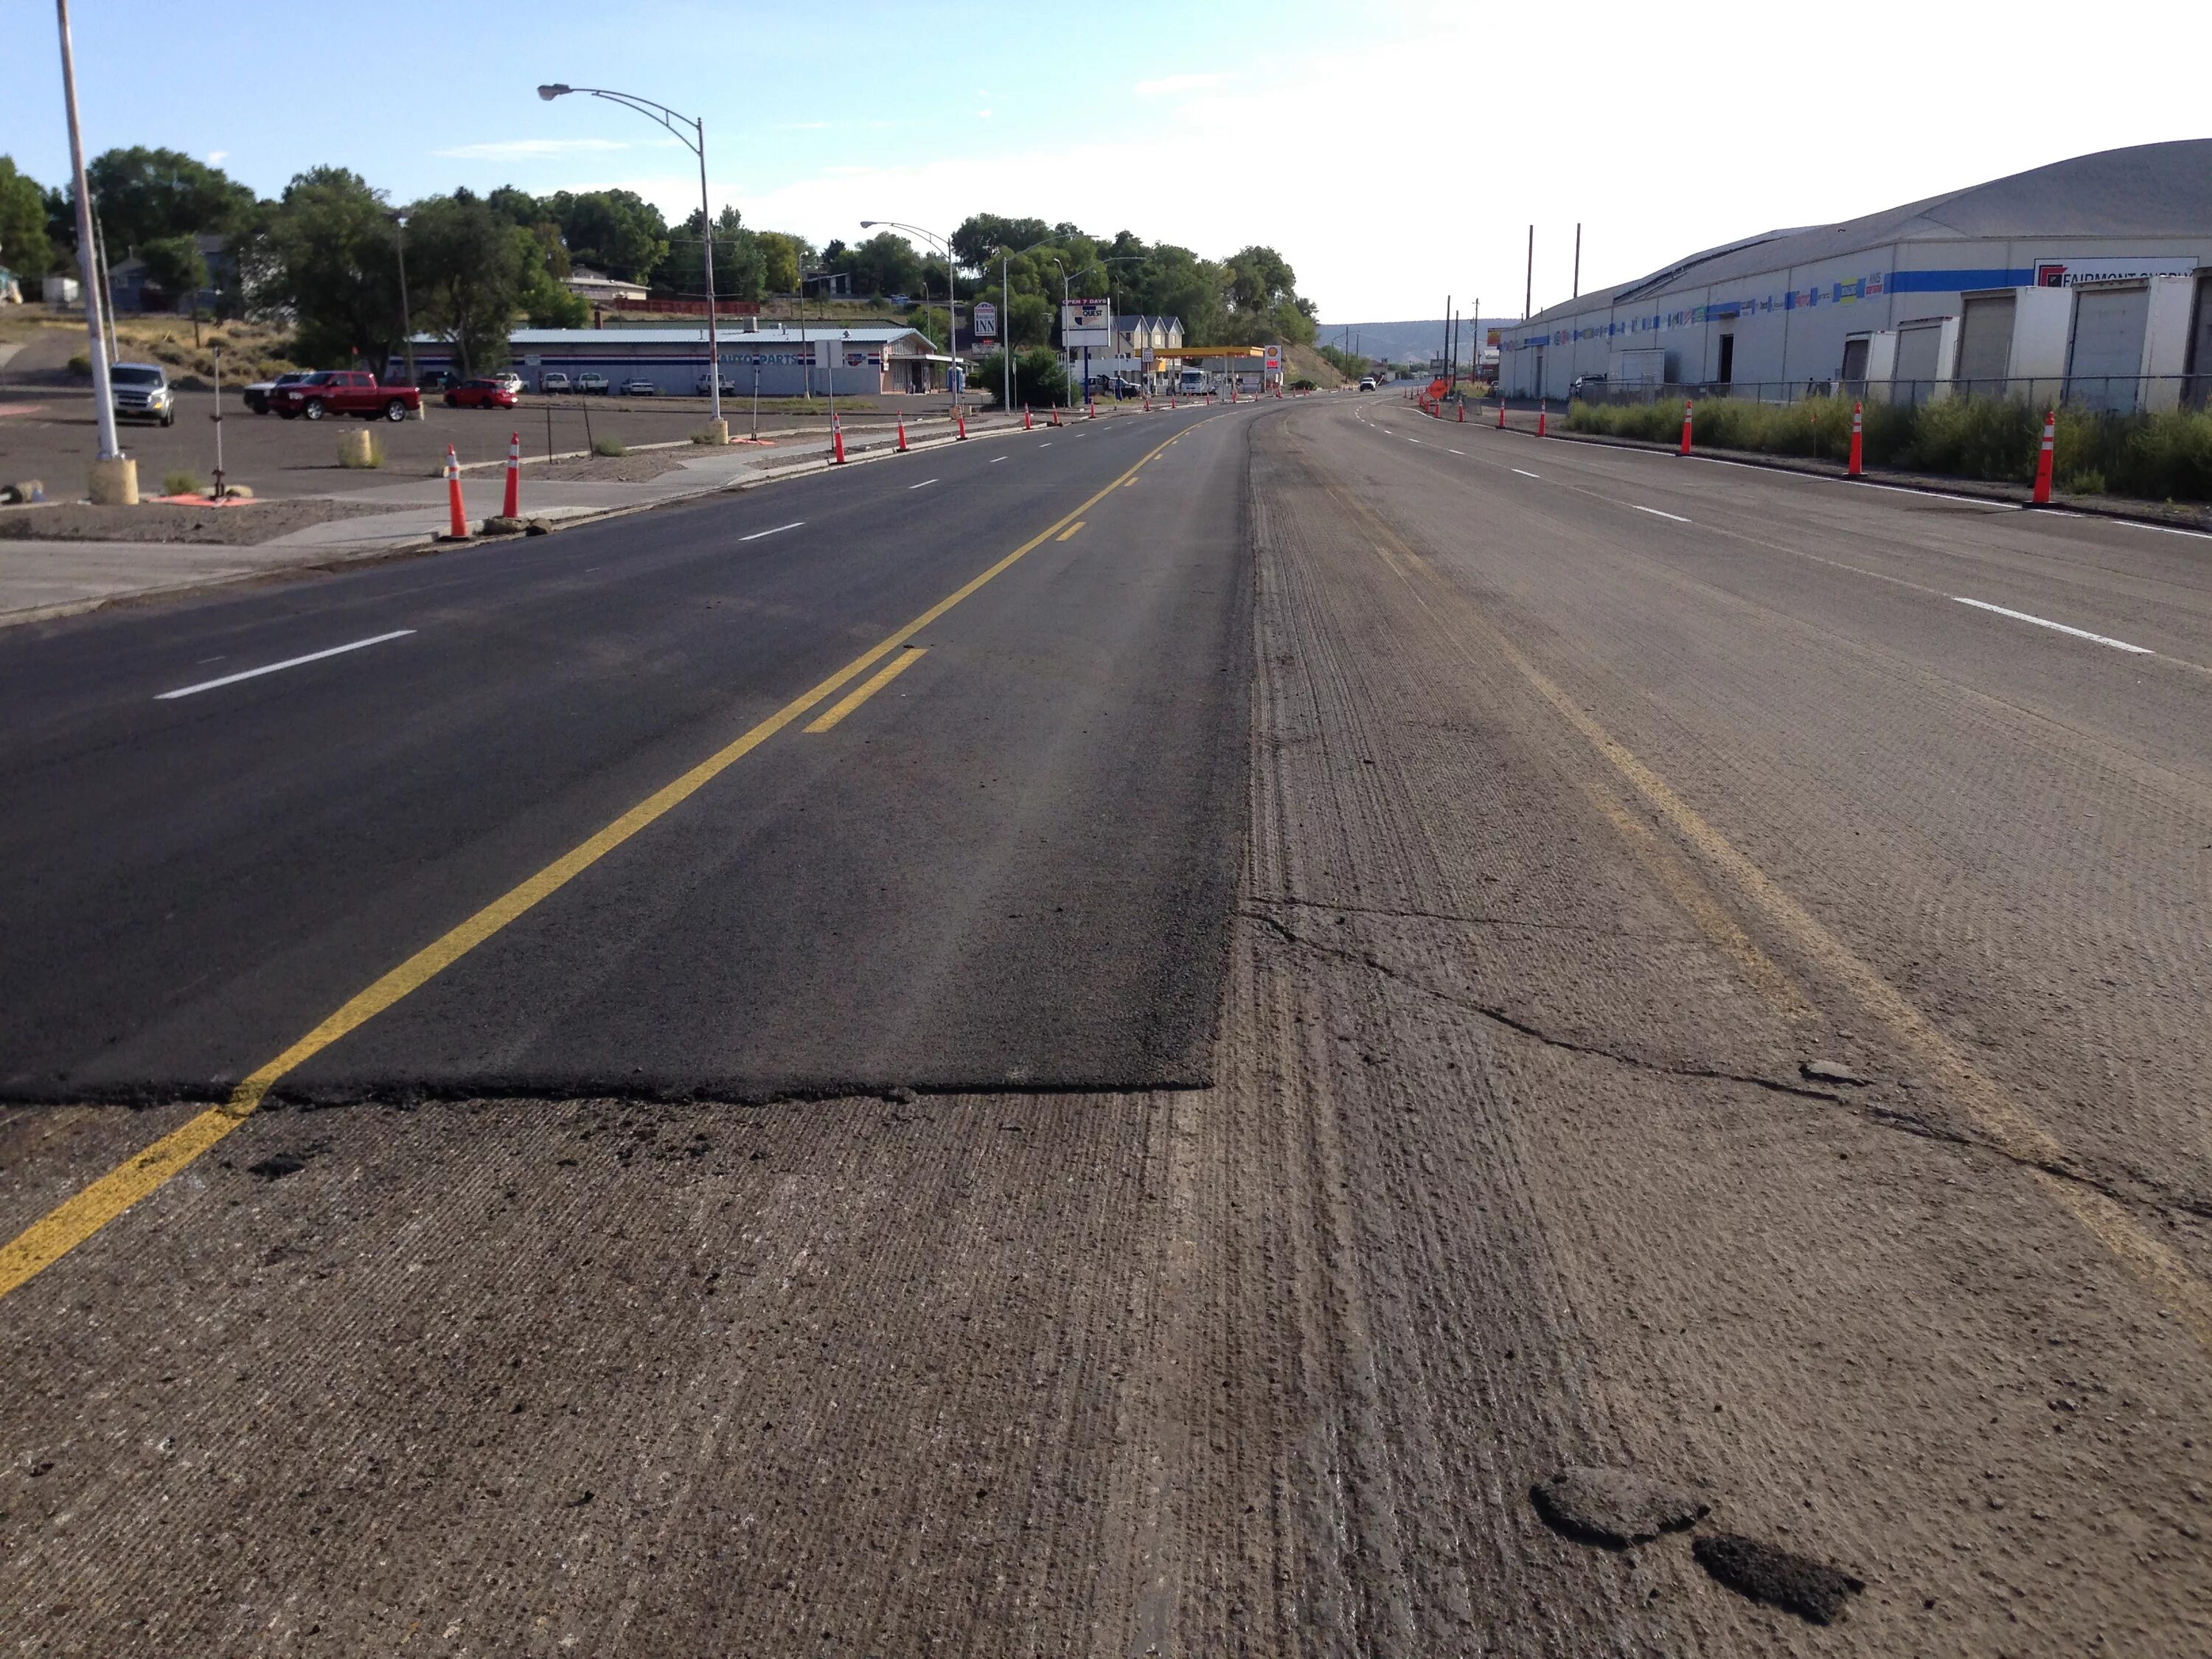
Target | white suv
(140,392)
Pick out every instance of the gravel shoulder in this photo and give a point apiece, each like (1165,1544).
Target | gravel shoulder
(248,525)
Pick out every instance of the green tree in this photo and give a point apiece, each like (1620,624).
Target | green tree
(616,231)
(328,256)
(981,235)
(1040,378)
(885,263)
(146,195)
(175,265)
(24,248)
(470,270)
(783,258)
(737,258)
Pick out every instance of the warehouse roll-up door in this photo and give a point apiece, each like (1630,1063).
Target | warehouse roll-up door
(2106,354)
(1985,345)
(1919,360)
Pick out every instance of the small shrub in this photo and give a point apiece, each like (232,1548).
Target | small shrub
(2089,482)
(182,482)
(81,364)
(706,434)
(610,446)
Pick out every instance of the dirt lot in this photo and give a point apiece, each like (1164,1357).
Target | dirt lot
(243,525)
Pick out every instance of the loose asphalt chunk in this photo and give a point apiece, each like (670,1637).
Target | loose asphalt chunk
(1829,1071)
(1812,1589)
(1613,1508)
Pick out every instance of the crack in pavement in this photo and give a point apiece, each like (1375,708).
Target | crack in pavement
(2139,1194)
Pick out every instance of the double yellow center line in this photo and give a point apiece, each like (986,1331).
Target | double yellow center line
(77,1217)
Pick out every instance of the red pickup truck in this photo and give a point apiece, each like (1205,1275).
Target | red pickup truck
(345,391)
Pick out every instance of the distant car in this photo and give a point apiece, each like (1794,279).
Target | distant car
(699,384)
(640,387)
(485,391)
(140,392)
(1583,383)
(509,379)
(590,382)
(1367,383)
(257,395)
(553,380)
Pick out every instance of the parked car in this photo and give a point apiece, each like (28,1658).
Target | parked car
(1583,383)
(699,385)
(552,380)
(140,392)
(589,382)
(436,380)
(640,387)
(257,395)
(345,391)
(508,378)
(485,391)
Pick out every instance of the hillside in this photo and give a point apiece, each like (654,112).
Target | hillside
(1402,342)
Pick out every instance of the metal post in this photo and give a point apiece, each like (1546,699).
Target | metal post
(406,320)
(714,337)
(1529,292)
(216,352)
(1578,259)
(1006,325)
(102,396)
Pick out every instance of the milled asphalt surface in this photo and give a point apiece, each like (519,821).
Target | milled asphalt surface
(1674,995)
(1012,868)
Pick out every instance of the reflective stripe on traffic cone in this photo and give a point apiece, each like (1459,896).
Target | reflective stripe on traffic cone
(1688,404)
(901,423)
(459,514)
(514,507)
(1501,414)
(1858,429)
(836,441)
(1028,425)
(2044,460)
(1543,409)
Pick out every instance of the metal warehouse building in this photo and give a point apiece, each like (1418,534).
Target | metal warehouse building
(2088,281)
(787,361)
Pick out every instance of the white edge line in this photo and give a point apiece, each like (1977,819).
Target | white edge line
(996,460)
(1656,513)
(924,484)
(778,531)
(2044,621)
(290,662)
(1449,450)
(1525,473)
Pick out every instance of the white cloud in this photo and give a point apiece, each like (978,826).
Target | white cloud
(983,114)
(524,150)
(216,157)
(1167,86)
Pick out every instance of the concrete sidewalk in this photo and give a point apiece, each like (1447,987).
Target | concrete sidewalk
(44,578)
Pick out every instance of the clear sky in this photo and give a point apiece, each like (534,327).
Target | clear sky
(1392,153)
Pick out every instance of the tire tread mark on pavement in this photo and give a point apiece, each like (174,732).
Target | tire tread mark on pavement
(2011,1130)
(83,1214)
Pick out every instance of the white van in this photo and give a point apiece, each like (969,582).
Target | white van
(1193,384)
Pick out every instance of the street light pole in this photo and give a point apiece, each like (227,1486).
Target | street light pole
(406,321)
(102,396)
(943,244)
(697,143)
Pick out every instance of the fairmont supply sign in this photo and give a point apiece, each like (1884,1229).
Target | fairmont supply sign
(2071,273)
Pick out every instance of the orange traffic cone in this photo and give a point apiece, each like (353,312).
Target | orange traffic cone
(1687,405)
(1543,409)
(1858,439)
(901,425)
(1028,425)
(962,416)
(1501,414)
(2044,458)
(836,441)
(513,509)
(459,528)
(1462,411)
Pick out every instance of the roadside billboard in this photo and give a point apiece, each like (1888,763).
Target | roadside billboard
(1086,323)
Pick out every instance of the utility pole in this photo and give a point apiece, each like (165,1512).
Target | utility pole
(114,479)
(1578,259)
(1529,292)
(1447,327)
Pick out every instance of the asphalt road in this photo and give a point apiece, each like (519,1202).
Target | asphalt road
(1394,961)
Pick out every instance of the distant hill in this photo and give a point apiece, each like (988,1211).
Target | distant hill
(1403,342)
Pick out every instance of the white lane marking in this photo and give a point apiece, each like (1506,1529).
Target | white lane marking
(1656,513)
(288,662)
(1047,444)
(757,534)
(924,484)
(996,460)
(2044,621)
(2137,523)
(1450,451)
(1525,473)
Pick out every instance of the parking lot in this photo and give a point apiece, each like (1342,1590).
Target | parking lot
(50,432)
